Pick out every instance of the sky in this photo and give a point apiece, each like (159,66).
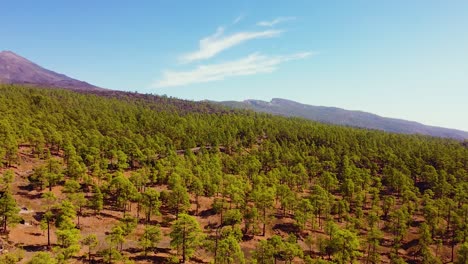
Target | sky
(401,59)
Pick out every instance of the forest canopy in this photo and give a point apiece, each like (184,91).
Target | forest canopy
(291,189)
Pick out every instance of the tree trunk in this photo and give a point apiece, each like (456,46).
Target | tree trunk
(319,220)
(216,247)
(343,250)
(453,244)
(448,219)
(138,212)
(78,216)
(368,253)
(148,220)
(48,233)
(183,246)
(198,204)
(221,213)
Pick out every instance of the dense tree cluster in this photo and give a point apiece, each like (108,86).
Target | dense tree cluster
(298,191)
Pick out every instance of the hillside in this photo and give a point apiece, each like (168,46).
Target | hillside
(129,178)
(15,69)
(338,116)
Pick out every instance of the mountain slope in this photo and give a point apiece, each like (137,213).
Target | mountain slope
(15,69)
(109,150)
(340,116)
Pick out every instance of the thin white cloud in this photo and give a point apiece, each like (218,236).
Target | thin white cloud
(216,43)
(238,19)
(274,21)
(250,65)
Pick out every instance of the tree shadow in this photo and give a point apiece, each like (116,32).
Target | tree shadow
(212,225)
(103,214)
(197,260)
(247,237)
(166,221)
(287,228)
(34,248)
(151,259)
(38,216)
(133,250)
(29,195)
(35,234)
(28,187)
(206,213)
(410,244)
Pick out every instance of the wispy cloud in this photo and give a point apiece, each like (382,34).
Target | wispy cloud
(216,43)
(274,21)
(252,64)
(238,19)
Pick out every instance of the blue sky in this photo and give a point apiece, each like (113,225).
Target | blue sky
(402,59)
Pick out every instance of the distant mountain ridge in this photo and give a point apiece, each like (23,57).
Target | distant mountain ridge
(338,116)
(15,69)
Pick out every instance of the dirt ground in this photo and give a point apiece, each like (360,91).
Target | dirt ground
(30,237)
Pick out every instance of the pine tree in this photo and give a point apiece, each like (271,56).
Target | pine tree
(373,241)
(42,258)
(9,210)
(264,252)
(91,241)
(97,200)
(186,235)
(263,198)
(68,236)
(462,254)
(151,236)
(179,200)
(151,203)
(229,251)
